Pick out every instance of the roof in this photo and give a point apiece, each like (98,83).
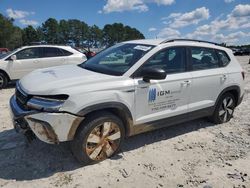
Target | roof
(146,41)
(192,42)
(46,45)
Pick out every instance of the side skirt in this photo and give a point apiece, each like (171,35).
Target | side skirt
(166,122)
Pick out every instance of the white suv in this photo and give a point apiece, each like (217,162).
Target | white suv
(127,89)
(14,65)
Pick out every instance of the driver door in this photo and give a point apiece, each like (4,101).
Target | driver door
(26,61)
(159,99)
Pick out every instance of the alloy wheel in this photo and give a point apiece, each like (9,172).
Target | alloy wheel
(103,141)
(1,81)
(226,109)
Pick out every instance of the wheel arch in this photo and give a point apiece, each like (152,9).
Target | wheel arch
(116,108)
(234,90)
(5,73)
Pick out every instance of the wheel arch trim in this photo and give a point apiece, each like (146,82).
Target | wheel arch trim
(228,89)
(127,117)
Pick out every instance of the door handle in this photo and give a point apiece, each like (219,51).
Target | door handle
(35,61)
(143,87)
(223,77)
(186,82)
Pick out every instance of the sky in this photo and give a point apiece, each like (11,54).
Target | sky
(213,20)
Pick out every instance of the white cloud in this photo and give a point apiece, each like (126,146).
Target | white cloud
(152,29)
(231,28)
(237,19)
(241,10)
(124,5)
(228,1)
(28,22)
(246,25)
(178,20)
(17,14)
(164,2)
(21,16)
(174,15)
(169,33)
(231,38)
(129,5)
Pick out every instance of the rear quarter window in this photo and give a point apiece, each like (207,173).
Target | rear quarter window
(66,53)
(224,58)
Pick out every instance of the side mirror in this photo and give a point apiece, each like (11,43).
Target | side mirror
(13,57)
(153,74)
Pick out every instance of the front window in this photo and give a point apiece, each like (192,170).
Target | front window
(29,53)
(171,60)
(117,59)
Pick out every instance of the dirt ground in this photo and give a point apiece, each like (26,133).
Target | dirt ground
(193,154)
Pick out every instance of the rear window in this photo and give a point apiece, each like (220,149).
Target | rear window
(223,58)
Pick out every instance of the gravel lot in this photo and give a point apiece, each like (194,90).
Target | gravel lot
(193,154)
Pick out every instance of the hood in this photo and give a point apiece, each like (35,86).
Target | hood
(57,79)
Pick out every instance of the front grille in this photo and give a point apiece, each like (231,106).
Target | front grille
(21,97)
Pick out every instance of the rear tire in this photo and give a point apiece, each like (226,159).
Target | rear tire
(224,109)
(99,137)
(3,80)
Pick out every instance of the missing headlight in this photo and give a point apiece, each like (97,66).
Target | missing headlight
(47,103)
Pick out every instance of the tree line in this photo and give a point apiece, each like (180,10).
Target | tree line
(69,32)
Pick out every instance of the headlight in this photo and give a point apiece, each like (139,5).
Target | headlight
(47,103)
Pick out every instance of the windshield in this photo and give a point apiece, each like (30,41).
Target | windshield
(116,60)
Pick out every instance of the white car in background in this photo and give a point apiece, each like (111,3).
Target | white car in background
(14,65)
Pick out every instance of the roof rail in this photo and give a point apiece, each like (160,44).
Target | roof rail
(191,40)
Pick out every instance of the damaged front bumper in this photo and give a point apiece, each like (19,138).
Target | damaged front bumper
(49,127)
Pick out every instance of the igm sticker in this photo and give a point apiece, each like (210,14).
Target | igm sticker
(152,95)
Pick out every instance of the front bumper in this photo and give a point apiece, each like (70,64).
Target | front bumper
(49,127)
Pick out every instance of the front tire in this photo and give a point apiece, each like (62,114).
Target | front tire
(3,80)
(224,109)
(99,137)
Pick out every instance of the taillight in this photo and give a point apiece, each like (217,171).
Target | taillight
(243,75)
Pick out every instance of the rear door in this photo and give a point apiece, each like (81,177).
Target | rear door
(209,77)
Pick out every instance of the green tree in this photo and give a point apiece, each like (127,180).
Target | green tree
(10,35)
(29,34)
(64,32)
(78,31)
(40,34)
(94,38)
(50,29)
(117,32)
